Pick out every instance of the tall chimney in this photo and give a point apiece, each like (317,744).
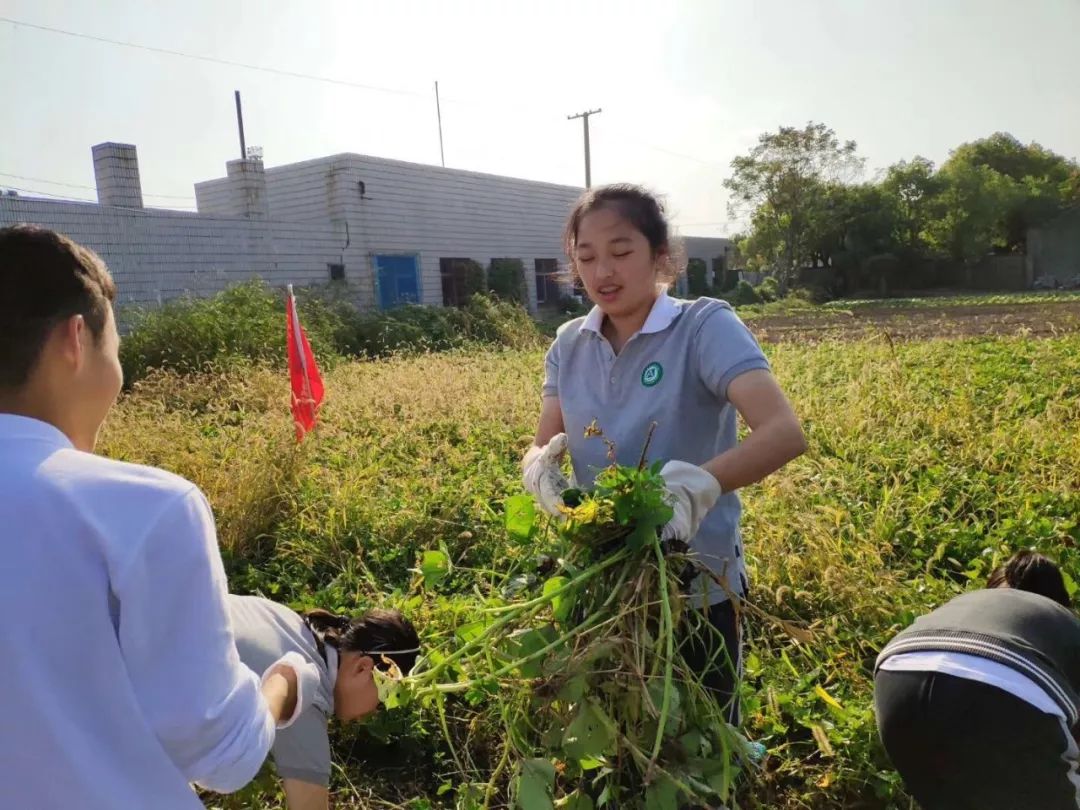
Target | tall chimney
(116,173)
(247,179)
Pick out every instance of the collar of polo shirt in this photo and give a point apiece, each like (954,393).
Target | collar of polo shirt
(664,311)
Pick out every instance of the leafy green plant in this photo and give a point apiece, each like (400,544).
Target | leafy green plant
(585,675)
(506,280)
(243,323)
(768,290)
(744,293)
(695,278)
(246,324)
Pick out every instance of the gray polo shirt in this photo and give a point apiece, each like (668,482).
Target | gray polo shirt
(265,631)
(675,371)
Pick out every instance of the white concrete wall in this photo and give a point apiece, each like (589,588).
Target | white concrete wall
(155,255)
(217,198)
(425,210)
(312,215)
(705,248)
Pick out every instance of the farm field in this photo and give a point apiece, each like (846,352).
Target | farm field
(942,437)
(1035,314)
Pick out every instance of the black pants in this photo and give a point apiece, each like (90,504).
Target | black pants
(718,657)
(963,745)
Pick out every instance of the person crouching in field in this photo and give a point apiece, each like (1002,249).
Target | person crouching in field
(347,653)
(978,701)
(121,680)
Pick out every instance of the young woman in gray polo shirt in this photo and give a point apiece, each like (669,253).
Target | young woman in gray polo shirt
(346,653)
(641,356)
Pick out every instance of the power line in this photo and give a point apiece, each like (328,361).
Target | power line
(73,198)
(214,59)
(673,153)
(246,66)
(308,77)
(47,194)
(88,188)
(46,182)
(312,77)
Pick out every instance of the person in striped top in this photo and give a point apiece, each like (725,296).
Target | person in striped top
(978,701)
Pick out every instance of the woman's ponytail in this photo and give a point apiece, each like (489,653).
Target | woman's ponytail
(382,634)
(328,628)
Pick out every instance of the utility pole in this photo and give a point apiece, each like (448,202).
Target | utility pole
(438,111)
(584,116)
(240,126)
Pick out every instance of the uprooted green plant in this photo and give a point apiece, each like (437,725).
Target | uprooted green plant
(587,678)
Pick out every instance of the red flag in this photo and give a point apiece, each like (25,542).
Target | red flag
(307,384)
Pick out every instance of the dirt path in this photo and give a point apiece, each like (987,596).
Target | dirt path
(1043,320)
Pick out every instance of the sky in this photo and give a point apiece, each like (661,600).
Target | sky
(684,85)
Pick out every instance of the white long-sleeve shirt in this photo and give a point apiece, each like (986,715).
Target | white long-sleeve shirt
(120,683)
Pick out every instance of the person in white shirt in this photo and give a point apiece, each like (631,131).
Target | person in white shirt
(122,684)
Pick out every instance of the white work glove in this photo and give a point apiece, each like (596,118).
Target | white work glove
(543,477)
(691,492)
(307,682)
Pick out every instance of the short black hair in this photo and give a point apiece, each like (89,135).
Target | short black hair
(1030,571)
(46,278)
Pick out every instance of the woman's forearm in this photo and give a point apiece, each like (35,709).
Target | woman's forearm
(763,452)
(279,690)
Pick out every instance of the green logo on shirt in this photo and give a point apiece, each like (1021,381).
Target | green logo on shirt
(652,374)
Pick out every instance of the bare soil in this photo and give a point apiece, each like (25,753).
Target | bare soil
(1037,320)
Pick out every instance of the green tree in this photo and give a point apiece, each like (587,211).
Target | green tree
(1043,181)
(910,189)
(856,221)
(849,225)
(777,183)
(1006,155)
(1070,188)
(764,241)
(803,208)
(971,211)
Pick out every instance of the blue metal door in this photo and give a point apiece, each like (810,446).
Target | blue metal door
(398,278)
